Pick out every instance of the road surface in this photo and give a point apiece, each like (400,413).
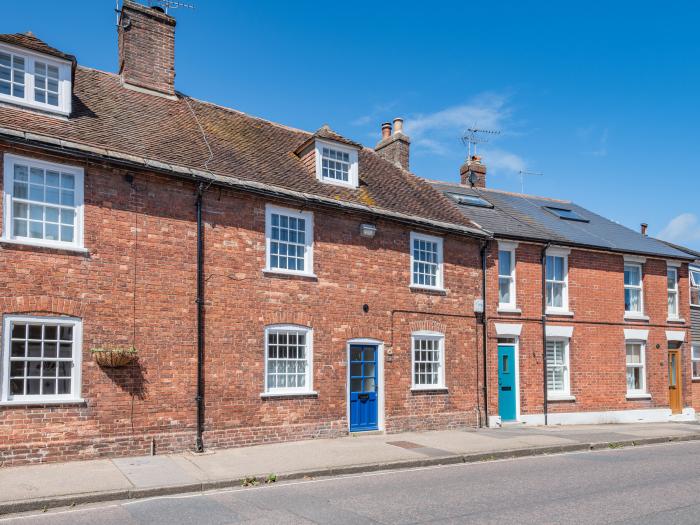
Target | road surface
(653,484)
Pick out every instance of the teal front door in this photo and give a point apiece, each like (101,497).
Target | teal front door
(506,382)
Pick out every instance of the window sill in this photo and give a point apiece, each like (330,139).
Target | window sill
(45,402)
(561,397)
(43,108)
(636,317)
(436,389)
(46,245)
(638,396)
(561,313)
(292,275)
(676,320)
(310,393)
(509,310)
(427,289)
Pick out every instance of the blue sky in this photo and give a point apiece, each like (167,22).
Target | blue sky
(600,97)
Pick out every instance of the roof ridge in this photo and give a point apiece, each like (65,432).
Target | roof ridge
(494,190)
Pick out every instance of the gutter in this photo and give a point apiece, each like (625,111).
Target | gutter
(591,247)
(65,147)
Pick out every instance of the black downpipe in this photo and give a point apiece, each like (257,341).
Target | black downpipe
(484,328)
(544,330)
(199,443)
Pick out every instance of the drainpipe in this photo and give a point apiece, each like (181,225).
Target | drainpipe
(484,327)
(544,329)
(199,443)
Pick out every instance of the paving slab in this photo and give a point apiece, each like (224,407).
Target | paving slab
(60,479)
(155,471)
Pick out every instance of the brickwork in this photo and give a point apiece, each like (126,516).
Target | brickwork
(597,347)
(147,48)
(137,286)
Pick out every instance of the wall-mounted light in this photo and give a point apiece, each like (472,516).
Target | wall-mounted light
(368,230)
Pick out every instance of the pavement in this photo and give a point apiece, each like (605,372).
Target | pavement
(44,486)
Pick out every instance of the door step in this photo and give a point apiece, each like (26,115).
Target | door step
(358,433)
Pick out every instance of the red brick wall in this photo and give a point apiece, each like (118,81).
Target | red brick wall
(137,286)
(597,348)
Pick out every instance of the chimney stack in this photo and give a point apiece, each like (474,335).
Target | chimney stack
(146,48)
(643,228)
(473,173)
(395,146)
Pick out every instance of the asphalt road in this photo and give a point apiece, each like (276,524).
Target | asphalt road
(654,484)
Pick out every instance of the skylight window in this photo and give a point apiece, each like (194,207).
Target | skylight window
(470,200)
(566,214)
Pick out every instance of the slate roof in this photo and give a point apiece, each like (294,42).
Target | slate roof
(517,216)
(123,121)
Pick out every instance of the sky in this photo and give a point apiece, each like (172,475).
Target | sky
(601,98)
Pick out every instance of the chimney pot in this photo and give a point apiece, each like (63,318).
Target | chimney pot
(643,228)
(394,148)
(386,130)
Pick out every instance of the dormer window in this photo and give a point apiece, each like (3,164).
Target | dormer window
(336,164)
(34,80)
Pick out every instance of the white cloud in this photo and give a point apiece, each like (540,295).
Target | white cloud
(504,160)
(439,133)
(487,111)
(683,229)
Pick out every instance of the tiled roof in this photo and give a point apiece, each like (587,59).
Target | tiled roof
(517,216)
(106,115)
(29,41)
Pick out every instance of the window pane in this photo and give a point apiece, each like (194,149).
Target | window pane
(504,263)
(633,275)
(287,360)
(633,301)
(42,187)
(504,290)
(34,367)
(287,248)
(634,354)
(425,262)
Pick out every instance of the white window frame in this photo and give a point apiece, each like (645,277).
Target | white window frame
(640,287)
(440,339)
(564,308)
(353,172)
(694,283)
(64,81)
(439,278)
(694,358)
(510,248)
(308,240)
(566,392)
(8,224)
(308,389)
(643,365)
(76,376)
(673,291)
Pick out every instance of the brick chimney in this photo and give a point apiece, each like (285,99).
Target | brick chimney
(395,146)
(473,172)
(146,48)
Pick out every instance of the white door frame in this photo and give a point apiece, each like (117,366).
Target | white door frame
(516,358)
(380,378)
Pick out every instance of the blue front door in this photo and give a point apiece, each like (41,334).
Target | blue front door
(506,382)
(363,388)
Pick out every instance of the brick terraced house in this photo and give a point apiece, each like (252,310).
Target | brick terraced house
(587,320)
(277,284)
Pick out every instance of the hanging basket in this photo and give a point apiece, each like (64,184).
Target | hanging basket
(114,357)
